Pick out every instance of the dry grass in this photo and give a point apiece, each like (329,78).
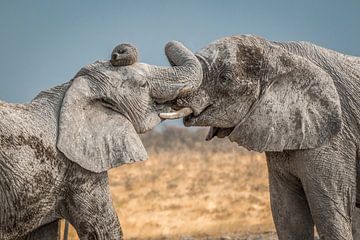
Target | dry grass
(192,192)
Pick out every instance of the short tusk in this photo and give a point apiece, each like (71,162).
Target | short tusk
(178,114)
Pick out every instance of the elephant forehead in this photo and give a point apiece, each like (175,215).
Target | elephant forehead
(235,49)
(224,50)
(135,71)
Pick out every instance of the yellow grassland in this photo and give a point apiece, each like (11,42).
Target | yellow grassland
(198,191)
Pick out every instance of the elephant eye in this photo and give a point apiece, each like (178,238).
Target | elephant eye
(145,84)
(225,79)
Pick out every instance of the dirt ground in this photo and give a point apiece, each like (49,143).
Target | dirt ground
(263,236)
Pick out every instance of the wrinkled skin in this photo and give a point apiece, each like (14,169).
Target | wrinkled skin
(55,151)
(300,103)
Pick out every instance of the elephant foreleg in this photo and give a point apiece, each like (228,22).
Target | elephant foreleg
(49,231)
(289,207)
(328,177)
(88,206)
(356,224)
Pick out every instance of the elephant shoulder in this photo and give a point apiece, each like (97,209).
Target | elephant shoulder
(5,112)
(13,116)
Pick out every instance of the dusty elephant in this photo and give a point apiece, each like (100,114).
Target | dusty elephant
(55,151)
(298,102)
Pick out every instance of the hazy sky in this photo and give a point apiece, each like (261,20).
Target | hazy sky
(44,43)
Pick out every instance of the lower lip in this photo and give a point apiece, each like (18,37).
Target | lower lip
(196,119)
(189,120)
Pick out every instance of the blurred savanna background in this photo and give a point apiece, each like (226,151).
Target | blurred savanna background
(190,188)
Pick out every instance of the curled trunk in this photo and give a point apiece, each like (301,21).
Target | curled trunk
(185,75)
(124,55)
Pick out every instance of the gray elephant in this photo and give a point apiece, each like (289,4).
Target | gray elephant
(55,151)
(298,102)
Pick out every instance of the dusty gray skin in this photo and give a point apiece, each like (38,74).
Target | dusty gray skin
(55,151)
(298,102)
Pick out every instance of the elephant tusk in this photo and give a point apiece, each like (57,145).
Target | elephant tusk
(178,114)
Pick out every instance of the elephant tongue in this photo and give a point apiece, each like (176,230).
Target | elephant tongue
(218,132)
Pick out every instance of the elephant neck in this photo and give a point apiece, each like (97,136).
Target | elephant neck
(46,107)
(321,56)
(51,99)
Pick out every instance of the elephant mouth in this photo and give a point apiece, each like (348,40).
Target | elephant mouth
(218,132)
(197,118)
(200,120)
(193,119)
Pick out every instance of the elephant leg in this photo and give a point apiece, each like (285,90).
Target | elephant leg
(356,224)
(328,176)
(356,212)
(49,231)
(289,206)
(100,227)
(88,206)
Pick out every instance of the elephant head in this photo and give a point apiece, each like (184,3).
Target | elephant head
(263,96)
(109,102)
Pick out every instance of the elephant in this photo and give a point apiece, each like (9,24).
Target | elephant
(300,104)
(55,151)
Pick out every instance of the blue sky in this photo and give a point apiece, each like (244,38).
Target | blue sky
(44,43)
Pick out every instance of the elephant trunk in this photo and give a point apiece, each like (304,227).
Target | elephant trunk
(185,75)
(124,55)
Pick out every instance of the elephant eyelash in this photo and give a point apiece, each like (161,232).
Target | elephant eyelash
(145,84)
(224,80)
(108,103)
(225,77)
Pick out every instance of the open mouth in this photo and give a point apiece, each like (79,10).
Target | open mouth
(197,118)
(191,118)
(218,132)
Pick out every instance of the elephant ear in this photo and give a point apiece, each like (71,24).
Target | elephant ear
(299,108)
(94,136)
